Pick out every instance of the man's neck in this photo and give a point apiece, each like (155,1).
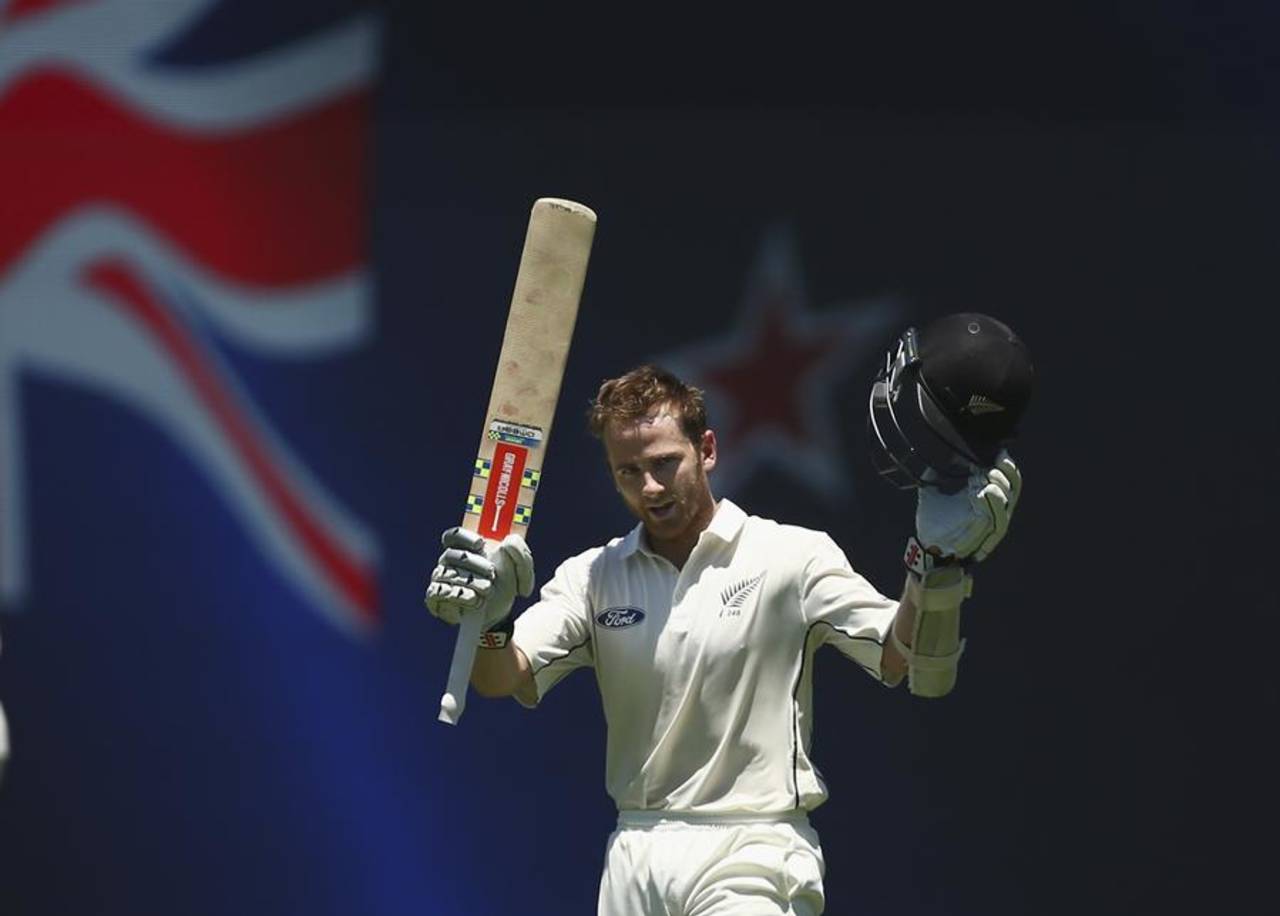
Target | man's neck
(675,551)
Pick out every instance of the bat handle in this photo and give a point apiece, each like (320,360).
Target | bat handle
(454,700)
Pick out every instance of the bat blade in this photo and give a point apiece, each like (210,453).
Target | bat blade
(522,401)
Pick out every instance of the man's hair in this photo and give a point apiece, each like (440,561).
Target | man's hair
(642,392)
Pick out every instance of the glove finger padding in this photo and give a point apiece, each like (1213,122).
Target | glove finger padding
(463,579)
(477,564)
(1000,495)
(1012,476)
(448,602)
(463,540)
(996,502)
(463,576)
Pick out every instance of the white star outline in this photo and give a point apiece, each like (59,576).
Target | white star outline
(818,461)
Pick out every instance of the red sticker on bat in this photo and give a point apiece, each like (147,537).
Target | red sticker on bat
(504,488)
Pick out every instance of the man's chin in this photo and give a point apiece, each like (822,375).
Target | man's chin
(663,527)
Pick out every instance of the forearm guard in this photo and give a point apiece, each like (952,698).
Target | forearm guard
(934,653)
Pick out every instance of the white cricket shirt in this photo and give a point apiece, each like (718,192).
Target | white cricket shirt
(706,673)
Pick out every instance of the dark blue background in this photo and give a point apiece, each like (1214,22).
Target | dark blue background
(190,739)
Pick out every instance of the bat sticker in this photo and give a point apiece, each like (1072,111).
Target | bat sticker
(499,509)
(530,478)
(515,433)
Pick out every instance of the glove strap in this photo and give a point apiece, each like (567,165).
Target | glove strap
(916,559)
(497,636)
(919,562)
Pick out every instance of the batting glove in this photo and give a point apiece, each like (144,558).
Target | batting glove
(476,575)
(968,524)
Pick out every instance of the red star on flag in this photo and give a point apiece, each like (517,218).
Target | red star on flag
(770,380)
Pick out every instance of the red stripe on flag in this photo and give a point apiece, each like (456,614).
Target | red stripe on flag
(275,205)
(344,571)
(20,8)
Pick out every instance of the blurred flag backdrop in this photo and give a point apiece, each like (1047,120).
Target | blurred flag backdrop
(252,286)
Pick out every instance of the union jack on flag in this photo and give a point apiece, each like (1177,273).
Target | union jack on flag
(169,200)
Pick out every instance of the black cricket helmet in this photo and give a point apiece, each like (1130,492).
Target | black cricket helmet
(947,399)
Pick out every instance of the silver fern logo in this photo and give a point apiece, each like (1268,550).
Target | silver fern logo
(734,598)
(979,404)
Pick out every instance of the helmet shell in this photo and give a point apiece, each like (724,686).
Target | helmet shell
(979,376)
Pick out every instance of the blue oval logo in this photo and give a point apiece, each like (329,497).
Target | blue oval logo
(615,618)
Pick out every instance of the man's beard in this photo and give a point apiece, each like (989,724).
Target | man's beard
(683,506)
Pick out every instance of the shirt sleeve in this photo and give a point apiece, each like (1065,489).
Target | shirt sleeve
(844,607)
(555,633)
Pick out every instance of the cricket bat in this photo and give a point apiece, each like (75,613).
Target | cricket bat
(522,402)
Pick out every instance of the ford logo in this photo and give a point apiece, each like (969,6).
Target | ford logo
(615,618)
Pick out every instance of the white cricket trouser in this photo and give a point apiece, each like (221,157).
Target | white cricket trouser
(664,864)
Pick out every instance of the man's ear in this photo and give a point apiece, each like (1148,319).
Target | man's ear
(708,450)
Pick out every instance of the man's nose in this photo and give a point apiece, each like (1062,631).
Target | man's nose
(652,486)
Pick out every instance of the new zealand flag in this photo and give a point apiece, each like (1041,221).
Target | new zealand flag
(191,592)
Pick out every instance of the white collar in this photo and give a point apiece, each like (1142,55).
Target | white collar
(724,526)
